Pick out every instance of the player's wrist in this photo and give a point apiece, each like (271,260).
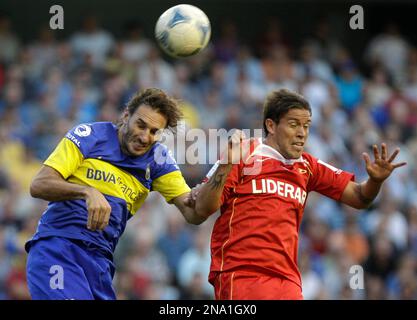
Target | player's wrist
(375,181)
(86,192)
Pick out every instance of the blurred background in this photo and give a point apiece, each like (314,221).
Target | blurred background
(362,86)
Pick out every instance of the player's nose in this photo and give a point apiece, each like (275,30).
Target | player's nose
(301,133)
(145,136)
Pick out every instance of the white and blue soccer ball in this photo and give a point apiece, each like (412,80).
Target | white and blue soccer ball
(183,31)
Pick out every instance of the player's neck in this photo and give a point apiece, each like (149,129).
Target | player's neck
(270,142)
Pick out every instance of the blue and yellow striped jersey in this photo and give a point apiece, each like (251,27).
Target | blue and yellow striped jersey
(90,155)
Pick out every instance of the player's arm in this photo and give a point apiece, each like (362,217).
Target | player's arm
(186,205)
(204,199)
(174,189)
(50,184)
(208,197)
(361,195)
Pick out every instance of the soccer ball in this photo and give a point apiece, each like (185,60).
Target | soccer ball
(183,31)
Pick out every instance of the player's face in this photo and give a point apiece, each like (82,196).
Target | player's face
(140,130)
(290,134)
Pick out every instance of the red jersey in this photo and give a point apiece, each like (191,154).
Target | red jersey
(262,206)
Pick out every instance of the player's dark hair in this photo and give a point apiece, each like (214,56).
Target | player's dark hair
(159,101)
(279,102)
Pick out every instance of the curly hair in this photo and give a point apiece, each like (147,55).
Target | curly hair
(159,101)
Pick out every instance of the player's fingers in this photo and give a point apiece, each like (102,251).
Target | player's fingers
(384,152)
(105,219)
(394,154)
(101,219)
(90,217)
(376,152)
(189,202)
(397,165)
(194,194)
(367,159)
(96,219)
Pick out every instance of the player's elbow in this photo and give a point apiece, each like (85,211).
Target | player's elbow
(197,220)
(359,205)
(35,188)
(205,211)
(363,205)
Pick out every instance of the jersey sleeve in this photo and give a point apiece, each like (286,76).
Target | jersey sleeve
(72,150)
(171,185)
(328,180)
(167,178)
(65,159)
(83,137)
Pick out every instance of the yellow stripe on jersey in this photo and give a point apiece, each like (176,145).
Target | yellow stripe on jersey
(110,180)
(171,185)
(66,158)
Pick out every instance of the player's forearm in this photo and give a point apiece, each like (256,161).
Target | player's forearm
(55,189)
(367,192)
(209,198)
(192,217)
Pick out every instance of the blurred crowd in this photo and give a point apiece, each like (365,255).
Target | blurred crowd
(48,85)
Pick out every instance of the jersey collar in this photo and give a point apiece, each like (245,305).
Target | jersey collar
(264,150)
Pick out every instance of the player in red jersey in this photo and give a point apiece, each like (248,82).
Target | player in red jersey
(262,197)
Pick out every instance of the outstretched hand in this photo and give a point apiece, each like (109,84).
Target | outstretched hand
(382,167)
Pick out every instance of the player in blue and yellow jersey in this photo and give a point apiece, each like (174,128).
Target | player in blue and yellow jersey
(98,176)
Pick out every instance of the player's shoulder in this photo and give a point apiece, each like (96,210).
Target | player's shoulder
(308,156)
(160,153)
(309,159)
(162,159)
(87,135)
(84,130)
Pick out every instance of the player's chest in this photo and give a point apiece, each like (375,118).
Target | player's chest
(274,178)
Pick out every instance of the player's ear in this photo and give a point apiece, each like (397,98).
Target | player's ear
(125,116)
(270,125)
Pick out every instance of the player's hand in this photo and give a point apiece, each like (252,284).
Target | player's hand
(235,151)
(381,168)
(195,191)
(189,201)
(98,210)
